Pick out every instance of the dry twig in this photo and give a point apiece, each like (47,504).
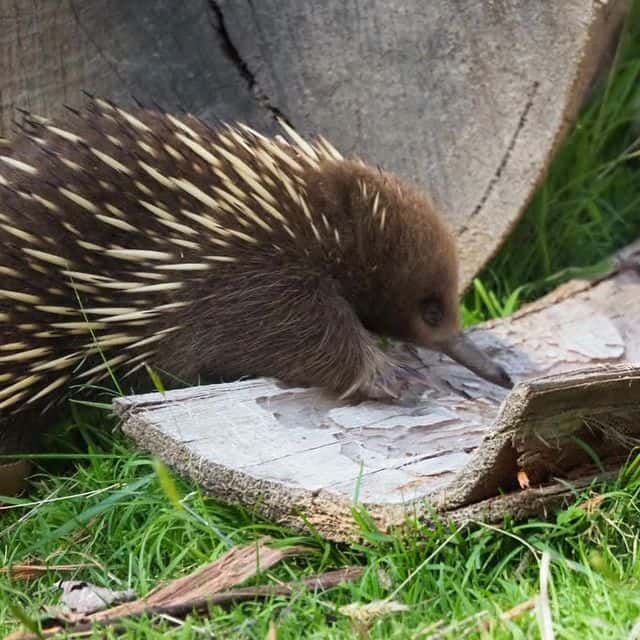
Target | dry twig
(32,571)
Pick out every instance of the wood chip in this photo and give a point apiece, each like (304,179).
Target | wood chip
(523,479)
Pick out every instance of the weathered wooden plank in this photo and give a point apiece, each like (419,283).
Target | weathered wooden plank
(287,451)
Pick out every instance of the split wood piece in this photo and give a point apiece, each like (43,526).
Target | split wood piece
(299,456)
(468,99)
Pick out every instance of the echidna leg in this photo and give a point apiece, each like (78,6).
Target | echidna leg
(283,325)
(321,342)
(22,432)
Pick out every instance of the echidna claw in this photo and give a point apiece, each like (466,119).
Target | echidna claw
(395,383)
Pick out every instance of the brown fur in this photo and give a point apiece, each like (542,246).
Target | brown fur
(289,305)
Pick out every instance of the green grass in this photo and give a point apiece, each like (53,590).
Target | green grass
(110,512)
(104,505)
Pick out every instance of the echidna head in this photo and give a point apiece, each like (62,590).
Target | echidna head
(435,317)
(416,292)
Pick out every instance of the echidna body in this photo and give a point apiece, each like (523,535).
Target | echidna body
(133,238)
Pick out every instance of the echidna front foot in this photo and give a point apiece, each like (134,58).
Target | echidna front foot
(394,382)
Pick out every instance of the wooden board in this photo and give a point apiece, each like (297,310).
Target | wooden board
(467,99)
(299,456)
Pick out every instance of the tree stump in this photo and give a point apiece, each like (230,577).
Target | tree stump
(467,99)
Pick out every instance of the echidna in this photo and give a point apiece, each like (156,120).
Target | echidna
(133,238)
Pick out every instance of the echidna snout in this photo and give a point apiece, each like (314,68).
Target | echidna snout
(134,238)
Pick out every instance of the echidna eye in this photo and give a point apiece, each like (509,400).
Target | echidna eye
(432,312)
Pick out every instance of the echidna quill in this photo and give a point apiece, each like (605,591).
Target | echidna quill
(133,238)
